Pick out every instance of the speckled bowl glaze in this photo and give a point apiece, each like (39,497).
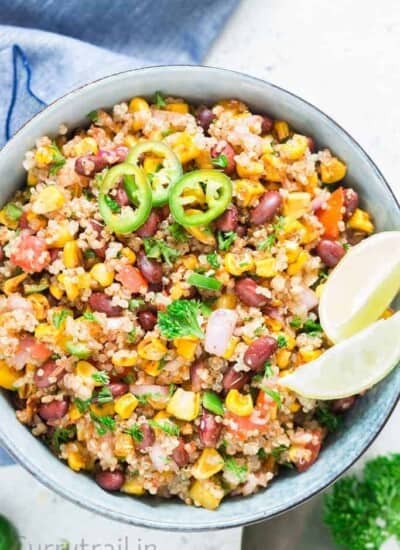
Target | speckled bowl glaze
(364,421)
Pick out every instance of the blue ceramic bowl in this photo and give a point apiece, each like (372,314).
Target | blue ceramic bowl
(364,421)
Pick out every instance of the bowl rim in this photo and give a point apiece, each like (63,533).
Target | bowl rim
(241,521)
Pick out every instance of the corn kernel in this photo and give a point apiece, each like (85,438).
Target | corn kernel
(230,350)
(154,350)
(361,221)
(298,265)
(310,232)
(252,169)
(130,141)
(290,228)
(308,355)
(176,291)
(74,413)
(85,369)
(266,267)
(238,403)
(208,464)
(237,264)
(72,255)
(138,104)
(202,234)
(129,255)
(7,221)
(56,291)
(295,148)
(44,156)
(124,358)
(123,445)
(184,405)
(8,376)
(332,170)
(69,285)
(273,324)
(283,358)
(292,251)
(102,274)
(186,347)
(11,285)
(204,160)
(190,261)
(152,368)
(295,407)
(297,204)
(48,200)
(76,461)
(133,487)
(60,235)
(32,178)
(226,301)
(102,410)
(206,494)
(47,333)
(40,305)
(247,191)
(181,107)
(184,147)
(273,167)
(86,146)
(125,405)
(281,129)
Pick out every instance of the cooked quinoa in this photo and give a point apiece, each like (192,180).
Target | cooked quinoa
(152,357)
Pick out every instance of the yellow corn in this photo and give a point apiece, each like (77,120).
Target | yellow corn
(298,265)
(202,234)
(102,274)
(85,369)
(295,148)
(44,156)
(193,195)
(273,167)
(292,250)
(332,170)
(72,255)
(138,104)
(124,358)
(123,445)
(204,160)
(154,350)
(152,368)
(32,178)
(283,358)
(281,129)
(130,141)
(76,460)
(273,324)
(8,222)
(247,191)
(179,107)
(206,494)
(11,285)
(48,200)
(61,235)
(297,204)
(190,261)
(56,291)
(361,221)
(102,410)
(86,146)
(208,464)
(74,413)
(184,147)
(129,255)
(125,405)
(133,487)
(238,403)
(8,376)
(40,305)
(47,333)
(151,164)
(226,301)
(237,264)
(295,407)
(35,221)
(184,405)
(186,347)
(176,291)
(291,227)
(266,267)
(230,350)
(69,285)
(252,169)
(308,355)
(310,233)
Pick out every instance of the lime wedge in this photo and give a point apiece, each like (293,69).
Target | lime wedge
(352,366)
(361,287)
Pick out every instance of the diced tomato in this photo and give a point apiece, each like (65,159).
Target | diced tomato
(314,446)
(30,253)
(131,278)
(333,214)
(240,426)
(31,349)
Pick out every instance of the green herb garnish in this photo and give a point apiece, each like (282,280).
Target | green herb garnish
(178,232)
(89,316)
(327,418)
(62,435)
(104,424)
(135,303)
(239,471)
(82,404)
(159,250)
(296,322)
(281,341)
(274,394)
(131,336)
(225,240)
(180,319)
(220,161)
(311,326)
(166,426)
(101,377)
(136,432)
(104,396)
(213,260)
(93,116)
(58,160)
(12,211)
(159,100)
(60,316)
(277,451)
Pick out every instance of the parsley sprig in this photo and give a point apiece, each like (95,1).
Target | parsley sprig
(159,250)
(180,319)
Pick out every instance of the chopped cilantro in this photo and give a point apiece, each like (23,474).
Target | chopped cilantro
(225,240)
(58,159)
(220,161)
(166,426)
(178,232)
(281,341)
(93,116)
(59,317)
(104,424)
(159,250)
(277,451)
(295,322)
(240,471)
(159,100)
(136,432)
(101,377)
(180,319)
(62,435)
(104,396)
(274,394)
(261,453)
(135,303)
(212,259)
(89,316)
(268,243)
(131,336)
(12,211)
(82,404)
(327,418)
(311,326)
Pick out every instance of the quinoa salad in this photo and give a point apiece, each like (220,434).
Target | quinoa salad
(160,274)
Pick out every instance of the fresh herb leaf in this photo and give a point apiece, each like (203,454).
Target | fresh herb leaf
(279,225)
(180,319)
(93,116)
(268,370)
(158,249)
(240,471)
(274,394)
(225,240)
(212,259)
(167,132)
(62,435)
(296,322)
(12,211)
(89,254)
(136,432)
(59,317)
(112,204)
(327,418)
(101,377)
(261,453)
(103,424)
(89,316)
(220,161)
(159,100)
(131,336)
(171,390)
(166,426)
(178,232)
(58,159)
(104,396)
(268,243)
(281,341)
(135,303)
(82,404)
(144,398)
(311,326)
(277,451)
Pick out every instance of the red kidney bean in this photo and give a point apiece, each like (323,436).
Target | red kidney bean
(148,437)
(241,230)
(180,455)
(118,388)
(23,221)
(330,252)
(53,253)
(268,206)
(147,319)
(354,237)
(314,446)
(266,125)
(311,144)
(53,410)
(121,197)
(155,287)
(196,368)
(163,212)
(204,117)
(110,481)
(227,150)
(99,301)
(246,290)
(350,202)
(89,165)
(259,352)
(209,430)
(343,405)
(229,220)
(48,370)
(115,155)
(1,253)
(98,228)
(150,269)
(235,380)
(150,226)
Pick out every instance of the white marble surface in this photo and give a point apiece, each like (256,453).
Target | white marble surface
(343,57)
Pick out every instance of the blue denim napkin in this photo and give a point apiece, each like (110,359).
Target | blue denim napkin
(94,38)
